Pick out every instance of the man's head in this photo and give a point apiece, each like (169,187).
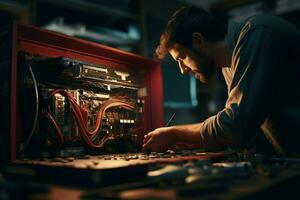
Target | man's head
(189,37)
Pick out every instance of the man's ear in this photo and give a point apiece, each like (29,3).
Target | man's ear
(198,40)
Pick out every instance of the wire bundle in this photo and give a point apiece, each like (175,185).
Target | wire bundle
(81,119)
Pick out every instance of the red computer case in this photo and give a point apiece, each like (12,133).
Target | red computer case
(46,43)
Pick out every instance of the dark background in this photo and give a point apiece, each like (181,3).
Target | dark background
(135,26)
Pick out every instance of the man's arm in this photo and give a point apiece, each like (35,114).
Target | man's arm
(254,90)
(256,61)
(165,138)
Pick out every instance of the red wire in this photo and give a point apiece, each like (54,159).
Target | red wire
(80,121)
(57,128)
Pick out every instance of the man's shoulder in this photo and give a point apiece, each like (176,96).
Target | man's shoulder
(266,20)
(262,18)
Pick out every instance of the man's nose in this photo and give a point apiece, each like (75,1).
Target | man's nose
(183,68)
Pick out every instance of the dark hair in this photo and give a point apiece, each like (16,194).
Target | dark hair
(183,23)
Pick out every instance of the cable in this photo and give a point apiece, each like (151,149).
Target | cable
(107,105)
(78,112)
(36,107)
(85,132)
(57,128)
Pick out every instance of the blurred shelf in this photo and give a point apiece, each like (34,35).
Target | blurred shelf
(20,10)
(286,6)
(90,8)
(229,4)
(122,21)
(13,6)
(97,34)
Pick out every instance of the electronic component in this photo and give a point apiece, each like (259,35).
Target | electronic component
(71,98)
(83,106)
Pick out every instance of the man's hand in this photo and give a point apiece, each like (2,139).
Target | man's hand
(160,140)
(165,138)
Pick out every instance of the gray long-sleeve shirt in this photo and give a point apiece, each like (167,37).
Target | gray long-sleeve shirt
(263,86)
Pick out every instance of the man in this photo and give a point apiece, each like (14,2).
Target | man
(260,61)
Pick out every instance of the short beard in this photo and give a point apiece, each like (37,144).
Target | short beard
(207,68)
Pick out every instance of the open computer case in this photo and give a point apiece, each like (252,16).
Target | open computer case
(64,96)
